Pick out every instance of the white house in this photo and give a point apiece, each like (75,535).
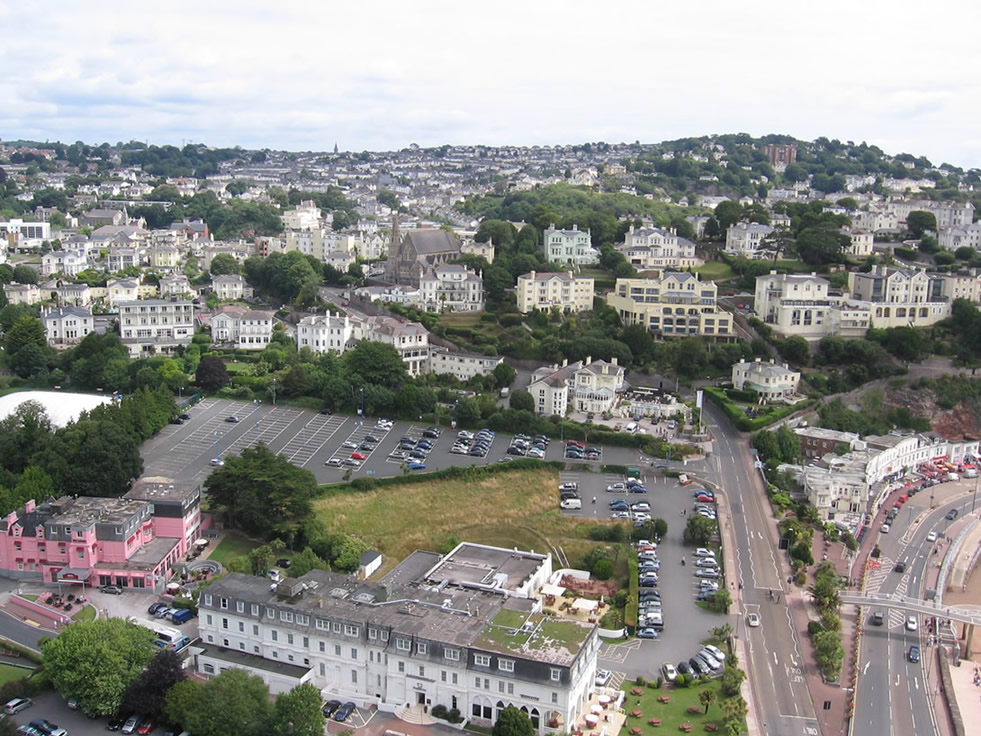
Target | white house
(21,293)
(653,248)
(900,297)
(67,262)
(771,381)
(229,287)
(451,288)
(66,326)
(155,325)
(410,339)
(73,295)
(174,286)
(461,364)
(242,329)
(324,333)
(582,386)
(564,291)
(569,247)
(861,245)
(746,239)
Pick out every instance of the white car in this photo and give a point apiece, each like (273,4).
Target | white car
(216,462)
(703,552)
(753,620)
(707,562)
(911,623)
(642,517)
(603,677)
(617,488)
(669,672)
(334,462)
(885,528)
(621,514)
(716,652)
(349,445)
(932,537)
(640,506)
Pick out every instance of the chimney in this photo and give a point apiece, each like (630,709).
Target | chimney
(613,360)
(589,359)
(565,362)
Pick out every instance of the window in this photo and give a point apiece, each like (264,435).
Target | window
(372,634)
(286,616)
(241,627)
(452,654)
(354,677)
(482,660)
(224,623)
(453,678)
(323,646)
(306,642)
(556,674)
(421,648)
(555,697)
(384,635)
(337,650)
(289,638)
(210,669)
(323,625)
(302,620)
(208,618)
(224,602)
(274,635)
(354,652)
(336,627)
(255,629)
(442,676)
(351,630)
(401,666)
(403,645)
(240,606)
(255,608)
(505,665)
(510,688)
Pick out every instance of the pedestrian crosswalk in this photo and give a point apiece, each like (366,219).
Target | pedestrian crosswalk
(878,573)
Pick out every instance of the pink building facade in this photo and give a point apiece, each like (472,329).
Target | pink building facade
(131,542)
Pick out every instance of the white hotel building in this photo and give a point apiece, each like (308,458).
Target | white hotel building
(465,630)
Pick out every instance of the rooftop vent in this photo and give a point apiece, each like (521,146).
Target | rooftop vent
(338,593)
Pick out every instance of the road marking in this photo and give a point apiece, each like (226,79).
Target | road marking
(865,669)
(774,658)
(916,682)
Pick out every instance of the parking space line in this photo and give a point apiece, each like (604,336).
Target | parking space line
(311,438)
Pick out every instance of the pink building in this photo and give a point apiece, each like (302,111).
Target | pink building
(131,542)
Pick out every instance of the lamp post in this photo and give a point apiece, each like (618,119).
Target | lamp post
(361,407)
(180,393)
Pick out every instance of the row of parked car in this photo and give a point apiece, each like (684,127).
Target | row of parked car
(576,450)
(338,711)
(474,445)
(174,615)
(525,446)
(650,618)
(709,661)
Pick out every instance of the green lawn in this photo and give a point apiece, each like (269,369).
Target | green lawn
(675,713)
(87,613)
(715,271)
(9,673)
(231,547)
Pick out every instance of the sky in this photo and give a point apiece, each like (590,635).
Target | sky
(381,74)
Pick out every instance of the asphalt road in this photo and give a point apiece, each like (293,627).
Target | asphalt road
(775,666)
(891,689)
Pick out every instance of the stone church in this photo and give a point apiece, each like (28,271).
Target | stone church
(416,252)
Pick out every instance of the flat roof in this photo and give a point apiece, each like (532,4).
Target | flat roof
(146,559)
(159,488)
(477,564)
(244,660)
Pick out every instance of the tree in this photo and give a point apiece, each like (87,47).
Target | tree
(25,331)
(147,694)
(25,275)
(212,373)
(732,680)
(918,222)
(789,444)
(93,458)
(706,698)
(728,213)
(766,445)
(522,400)
(467,412)
(795,350)
(224,263)
(721,600)
(307,560)
(31,360)
(263,493)
(234,702)
(829,654)
(821,245)
(699,530)
(504,375)
(260,559)
(513,722)
(734,709)
(375,363)
(96,661)
(297,713)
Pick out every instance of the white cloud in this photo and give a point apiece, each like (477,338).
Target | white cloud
(381,74)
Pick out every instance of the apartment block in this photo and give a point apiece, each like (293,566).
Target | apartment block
(671,304)
(564,291)
(155,326)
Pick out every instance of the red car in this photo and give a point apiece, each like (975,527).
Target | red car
(146,726)
(358,456)
(574,443)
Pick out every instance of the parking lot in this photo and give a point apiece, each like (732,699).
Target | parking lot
(310,440)
(685,624)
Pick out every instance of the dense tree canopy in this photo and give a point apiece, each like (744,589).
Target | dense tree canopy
(233,702)
(97,661)
(263,493)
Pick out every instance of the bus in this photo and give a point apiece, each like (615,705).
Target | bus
(167,636)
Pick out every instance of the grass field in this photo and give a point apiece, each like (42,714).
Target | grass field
(675,713)
(715,271)
(231,547)
(516,509)
(86,614)
(9,673)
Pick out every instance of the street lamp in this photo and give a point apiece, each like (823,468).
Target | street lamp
(361,409)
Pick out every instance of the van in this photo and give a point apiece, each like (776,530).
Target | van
(504,392)
(632,427)
(570,503)
(971,473)
(953,476)
(275,575)
(181,615)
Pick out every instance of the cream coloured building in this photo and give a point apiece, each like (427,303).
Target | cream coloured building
(861,245)
(672,304)
(653,248)
(564,291)
(451,288)
(772,381)
(900,297)
(569,247)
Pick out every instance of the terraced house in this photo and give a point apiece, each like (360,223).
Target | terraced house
(465,630)
(671,304)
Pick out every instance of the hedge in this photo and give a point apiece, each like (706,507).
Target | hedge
(738,417)
(473,471)
(633,598)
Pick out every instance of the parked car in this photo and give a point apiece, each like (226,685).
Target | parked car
(431,432)
(334,462)
(703,552)
(132,723)
(914,654)
(344,712)
(115,723)
(683,668)
(216,462)
(17,705)
(669,672)
(349,445)
(603,677)
(154,607)
(698,667)
(371,438)
(708,573)
(647,633)
(616,487)
(111,589)
(147,725)
(232,419)
(351,462)
(706,562)
(716,652)
(416,466)
(330,708)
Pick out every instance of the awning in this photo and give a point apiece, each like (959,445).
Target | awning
(549,589)
(584,604)
(68,575)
